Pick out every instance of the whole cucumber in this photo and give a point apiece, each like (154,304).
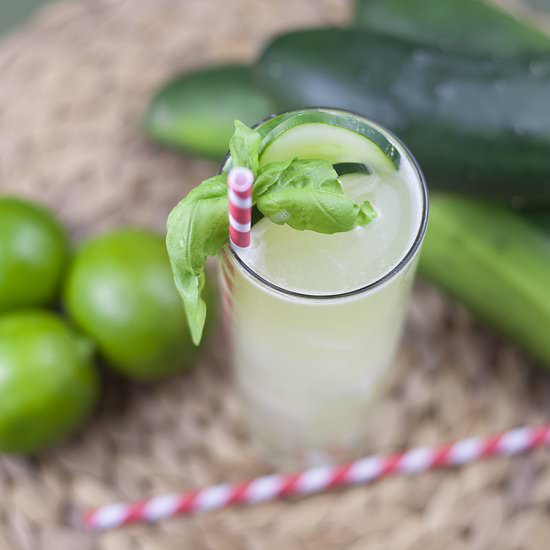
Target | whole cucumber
(470,25)
(196,111)
(496,263)
(475,124)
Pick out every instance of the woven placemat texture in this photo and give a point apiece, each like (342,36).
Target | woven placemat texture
(75,82)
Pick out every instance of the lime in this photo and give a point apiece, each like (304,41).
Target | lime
(120,291)
(33,254)
(48,384)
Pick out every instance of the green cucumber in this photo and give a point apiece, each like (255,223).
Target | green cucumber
(471,25)
(364,142)
(475,124)
(195,112)
(496,263)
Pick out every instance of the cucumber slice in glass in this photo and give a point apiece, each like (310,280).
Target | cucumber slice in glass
(335,136)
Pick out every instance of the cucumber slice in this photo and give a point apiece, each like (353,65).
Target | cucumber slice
(345,168)
(335,136)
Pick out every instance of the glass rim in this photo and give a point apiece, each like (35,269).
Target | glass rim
(405,260)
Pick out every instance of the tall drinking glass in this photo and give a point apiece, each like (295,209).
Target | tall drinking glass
(314,320)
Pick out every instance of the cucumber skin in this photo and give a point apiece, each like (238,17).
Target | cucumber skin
(469,25)
(496,263)
(476,124)
(196,110)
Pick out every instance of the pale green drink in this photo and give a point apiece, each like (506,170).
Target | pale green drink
(315,319)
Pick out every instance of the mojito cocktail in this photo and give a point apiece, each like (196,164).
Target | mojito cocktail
(314,302)
(314,319)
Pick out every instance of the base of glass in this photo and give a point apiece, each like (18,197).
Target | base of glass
(290,443)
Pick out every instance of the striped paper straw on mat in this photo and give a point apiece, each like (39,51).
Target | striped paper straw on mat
(239,190)
(318,479)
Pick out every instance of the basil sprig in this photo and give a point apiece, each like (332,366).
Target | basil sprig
(304,194)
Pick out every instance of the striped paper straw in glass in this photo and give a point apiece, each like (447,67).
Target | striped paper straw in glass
(239,189)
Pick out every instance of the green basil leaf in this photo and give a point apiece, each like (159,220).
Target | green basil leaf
(197,227)
(306,194)
(244,147)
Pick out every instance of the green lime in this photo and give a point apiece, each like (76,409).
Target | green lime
(33,254)
(120,291)
(48,383)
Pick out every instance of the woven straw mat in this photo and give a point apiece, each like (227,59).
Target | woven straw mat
(75,82)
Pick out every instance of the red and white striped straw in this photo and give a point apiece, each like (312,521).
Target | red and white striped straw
(239,190)
(318,479)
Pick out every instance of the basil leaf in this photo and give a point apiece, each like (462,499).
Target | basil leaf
(306,194)
(244,147)
(196,228)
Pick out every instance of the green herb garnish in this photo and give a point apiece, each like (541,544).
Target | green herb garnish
(304,194)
